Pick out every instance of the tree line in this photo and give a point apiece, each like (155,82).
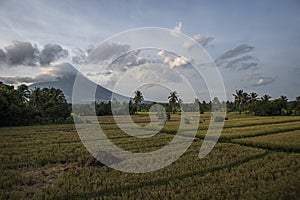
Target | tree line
(250,103)
(21,106)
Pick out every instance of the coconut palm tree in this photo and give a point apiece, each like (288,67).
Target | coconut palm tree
(238,99)
(24,93)
(173,99)
(138,98)
(266,98)
(36,99)
(253,96)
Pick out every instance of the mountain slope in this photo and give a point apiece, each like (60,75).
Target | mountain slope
(65,82)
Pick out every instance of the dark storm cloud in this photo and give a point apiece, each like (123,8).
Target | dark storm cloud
(50,53)
(2,56)
(27,54)
(21,53)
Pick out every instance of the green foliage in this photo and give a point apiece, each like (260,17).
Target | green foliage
(173,99)
(23,107)
(263,106)
(138,98)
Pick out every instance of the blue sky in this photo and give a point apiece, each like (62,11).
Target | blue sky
(271,27)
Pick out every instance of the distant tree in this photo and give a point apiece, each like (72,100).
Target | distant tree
(24,93)
(229,106)
(49,105)
(297,105)
(205,106)
(266,98)
(173,99)
(263,106)
(252,104)
(253,96)
(283,104)
(132,108)
(216,104)
(36,99)
(239,99)
(138,98)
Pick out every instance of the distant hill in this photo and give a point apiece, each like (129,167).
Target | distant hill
(66,83)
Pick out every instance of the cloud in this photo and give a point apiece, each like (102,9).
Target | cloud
(242,63)
(27,54)
(263,81)
(146,59)
(156,74)
(246,66)
(179,61)
(233,63)
(177,29)
(21,53)
(78,56)
(257,79)
(198,39)
(50,53)
(237,51)
(2,56)
(49,74)
(235,58)
(16,79)
(106,52)
(172,60)
(100,73)
(62,70)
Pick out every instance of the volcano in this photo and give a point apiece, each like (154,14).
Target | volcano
(63,77)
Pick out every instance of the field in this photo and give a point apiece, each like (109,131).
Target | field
(255,158)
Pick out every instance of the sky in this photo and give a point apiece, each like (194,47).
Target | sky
(254,44)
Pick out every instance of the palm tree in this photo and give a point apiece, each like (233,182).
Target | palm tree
(283,103)
(56,95)
(246,99)
(238,99)
(266,98)
(36,99)
(173,99)
(24,93)
(138,98)
(253,96)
